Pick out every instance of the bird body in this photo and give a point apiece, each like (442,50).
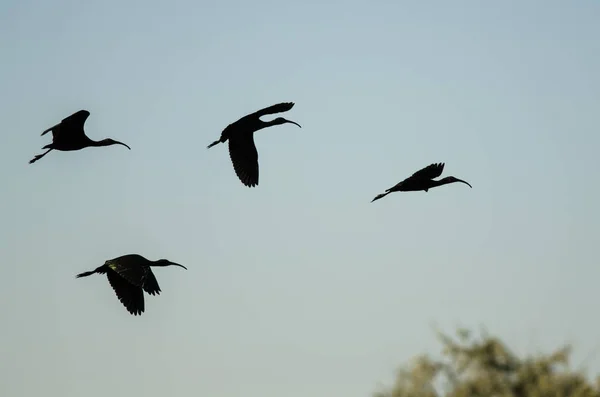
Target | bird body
(68,135)
(240,135)
(130,275)
(422,180)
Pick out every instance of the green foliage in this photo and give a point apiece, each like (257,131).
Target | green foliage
(487,368)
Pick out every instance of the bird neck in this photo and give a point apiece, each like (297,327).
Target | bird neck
(164,262)
(270,123)
(443,181)
(103,142)
(160,263)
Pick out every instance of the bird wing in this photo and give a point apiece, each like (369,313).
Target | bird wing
(278,108)
(131,296)
(151,284)
(131,271)
(50,129)
(431,171)
(77,118)
(244,157)
(72,125)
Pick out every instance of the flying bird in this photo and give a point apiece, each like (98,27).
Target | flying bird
(69,135)
(130,275)
(242,149)
(422,180)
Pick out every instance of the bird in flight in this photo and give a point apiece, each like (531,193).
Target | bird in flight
(242,149)
(130,275)
(422,180)
(68,135)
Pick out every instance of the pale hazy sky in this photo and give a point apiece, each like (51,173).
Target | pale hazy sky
(300,287)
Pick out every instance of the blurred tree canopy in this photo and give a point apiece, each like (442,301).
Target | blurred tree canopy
(486,368)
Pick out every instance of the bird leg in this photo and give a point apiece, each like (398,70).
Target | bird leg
(214,143)
(85,274)
(39,156)
(379,196)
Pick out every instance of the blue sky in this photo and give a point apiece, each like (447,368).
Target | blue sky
(300,286)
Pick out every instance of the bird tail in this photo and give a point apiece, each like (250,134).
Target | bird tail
(85,274)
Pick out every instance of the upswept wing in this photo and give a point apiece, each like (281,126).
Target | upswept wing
(129,295)
(278,108)
(71,124)
(431,171)
(77,118)
(244,157)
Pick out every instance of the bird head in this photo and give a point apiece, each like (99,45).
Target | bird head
(451,179)
(281,120)
(108,142)
(165,262)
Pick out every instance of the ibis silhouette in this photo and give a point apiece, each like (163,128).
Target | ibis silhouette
(68,135)
(422,180)
(130,275)
(242,149)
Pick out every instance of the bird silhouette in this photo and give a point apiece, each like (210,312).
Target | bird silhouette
(69,135)
(130,275)
(422,180)
(242,149)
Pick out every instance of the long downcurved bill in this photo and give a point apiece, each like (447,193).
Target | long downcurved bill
(465,182)
(293,122)
(177,264)
(121,143)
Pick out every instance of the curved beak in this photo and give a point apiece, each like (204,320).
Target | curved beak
(293,122)
(465,182)
(121,143)
(177,264)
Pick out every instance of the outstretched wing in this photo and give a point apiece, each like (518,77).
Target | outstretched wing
(431,171)
(244,157)
(131,296)
(150,284)
(280,107)
(72,124)
(78,118)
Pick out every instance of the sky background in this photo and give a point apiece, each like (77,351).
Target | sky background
(300,287)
